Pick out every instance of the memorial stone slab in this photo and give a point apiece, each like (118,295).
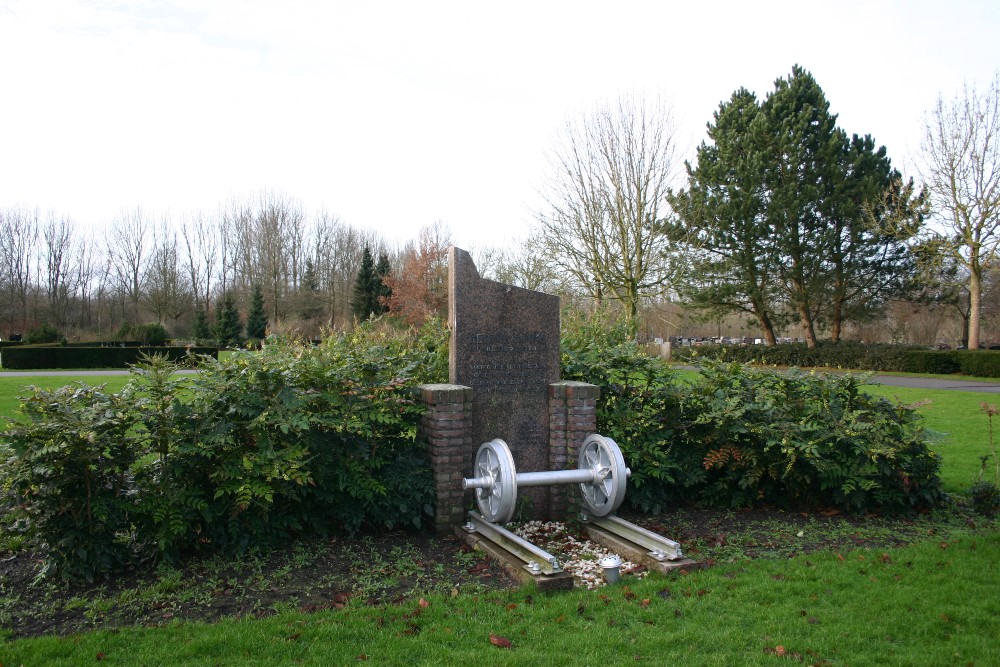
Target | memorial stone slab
(505,345)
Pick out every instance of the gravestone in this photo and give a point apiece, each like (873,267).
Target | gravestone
(505,346)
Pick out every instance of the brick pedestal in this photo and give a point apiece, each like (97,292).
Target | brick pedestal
(447,427)
(572,417)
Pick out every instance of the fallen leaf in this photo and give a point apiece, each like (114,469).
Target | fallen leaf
(424,603)
(511,607)
(362,657)
(645,602)
(779,650)
(627,592)
(100,656)
(294,637)
(500,642)
(886,558)
(560,618)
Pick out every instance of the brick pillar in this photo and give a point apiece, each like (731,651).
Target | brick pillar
(572,417)
(447,426)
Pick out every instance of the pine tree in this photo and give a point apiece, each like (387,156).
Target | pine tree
(228,329)
(364,303)
(256,319)
(200,329)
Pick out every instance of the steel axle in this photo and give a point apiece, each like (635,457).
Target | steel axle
(601,474)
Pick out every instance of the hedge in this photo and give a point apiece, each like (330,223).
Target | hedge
(30,357)
(854,356)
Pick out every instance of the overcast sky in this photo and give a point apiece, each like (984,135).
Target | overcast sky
(393,115)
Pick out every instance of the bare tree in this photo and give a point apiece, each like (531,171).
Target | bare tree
(18,237)
(519,264)
(165,293)
(606,198)
(129,241)
(57,239)
(960,151)
(268,233)
(201,245)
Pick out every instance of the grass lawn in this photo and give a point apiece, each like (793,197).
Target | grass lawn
(934,602)
(13,387)
(960,428)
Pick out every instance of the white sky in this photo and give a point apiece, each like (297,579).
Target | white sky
(395,114)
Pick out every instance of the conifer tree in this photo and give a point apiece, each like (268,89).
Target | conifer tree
(256,319)
(228,329)
(200,329)
(364,303)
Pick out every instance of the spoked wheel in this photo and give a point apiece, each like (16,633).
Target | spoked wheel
(606,492)
(494,464)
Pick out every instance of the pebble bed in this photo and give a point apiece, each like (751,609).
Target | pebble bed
(578,556)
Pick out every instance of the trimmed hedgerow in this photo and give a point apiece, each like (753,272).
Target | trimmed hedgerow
(856,356)
(43,357)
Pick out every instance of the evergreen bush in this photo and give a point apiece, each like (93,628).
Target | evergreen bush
(42,334)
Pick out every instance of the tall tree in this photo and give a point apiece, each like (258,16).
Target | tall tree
(802,148)
(960,151)
(606,196)
(788,219)
(129,241)
(57,238)
(256,317)
(18,237)
(228,328)
(723,218)
(364,303)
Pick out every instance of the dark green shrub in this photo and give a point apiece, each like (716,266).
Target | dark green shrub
(843,355)
(256,448)
(70,475)
(985,497)
(979,363)
(941,362)
(29,357)
(738,436)
(806,440)
(42,334)
(639,407)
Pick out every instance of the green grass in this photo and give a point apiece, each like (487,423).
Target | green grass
(12,388)
(928,604)
(960,427)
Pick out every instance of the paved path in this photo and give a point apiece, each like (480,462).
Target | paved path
(938,383)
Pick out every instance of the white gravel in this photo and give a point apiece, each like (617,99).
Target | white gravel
(580,557)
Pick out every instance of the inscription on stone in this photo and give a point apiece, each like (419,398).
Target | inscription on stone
(504,363)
